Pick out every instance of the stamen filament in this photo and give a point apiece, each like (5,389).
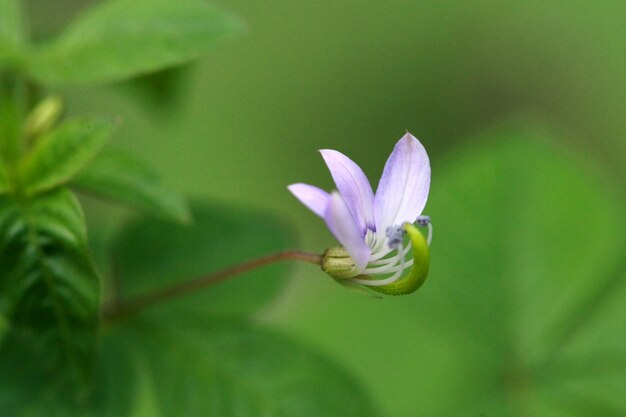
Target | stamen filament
(391,268)
(385,267)
(381,282)
(379,255)
(386,261)
(430,233)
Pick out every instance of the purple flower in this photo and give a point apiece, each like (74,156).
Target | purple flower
(371,226)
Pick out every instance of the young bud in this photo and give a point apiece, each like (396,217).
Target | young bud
(43,117)
(337,263)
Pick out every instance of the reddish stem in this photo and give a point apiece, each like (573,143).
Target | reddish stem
(122,308)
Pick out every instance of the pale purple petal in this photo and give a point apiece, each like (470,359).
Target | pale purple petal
(353,186)
(313,197)
(341,223)
(403,188)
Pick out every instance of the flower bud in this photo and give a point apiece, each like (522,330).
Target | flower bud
(43,117)
(337,263)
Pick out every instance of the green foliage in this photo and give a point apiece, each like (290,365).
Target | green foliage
(120,177)
(4,327)
(162,91)
(9,117)
(183,362)
(60,154)
(176,359)
(184,358)
(5,184)
(120,39)
(188,365)
(49,293)
(523,311)
(119,371)
(10,21)
(10,30)
(527,235)
(154,253)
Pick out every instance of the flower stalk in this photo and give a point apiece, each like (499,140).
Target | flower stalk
(120,308)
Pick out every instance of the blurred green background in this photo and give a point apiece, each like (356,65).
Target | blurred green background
(521,107)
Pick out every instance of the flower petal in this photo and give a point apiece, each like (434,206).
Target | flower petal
(311,196)
(403,188)
(353,186)
(341,223)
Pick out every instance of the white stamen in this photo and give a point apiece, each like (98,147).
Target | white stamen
(388,269)
(386,281)
(380,254)
(386,261)
(396,265)
(387,266)
(393,238)
(380,263)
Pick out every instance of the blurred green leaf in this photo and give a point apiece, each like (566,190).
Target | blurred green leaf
(26,389)
(198,367)
(4,327)
(528,239)
(525,234)
(5,184)
(10,117)
(162,90)
(117,383)
(154,253)
(49,293)
(10,21)
(11,36)
(120,39)
(121,177)
(60,154)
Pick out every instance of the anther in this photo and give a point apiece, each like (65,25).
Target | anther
(423,221)
(395,235)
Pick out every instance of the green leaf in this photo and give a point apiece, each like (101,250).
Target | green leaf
(524,305)
(5,184)
(191,366)
(10,117)
(11,36)
(154,253)
(61,154)
(526,233)
(121,39)
(120,177)
(162,91)
(26,389)
(118,383)
(49,293)
(4,327)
